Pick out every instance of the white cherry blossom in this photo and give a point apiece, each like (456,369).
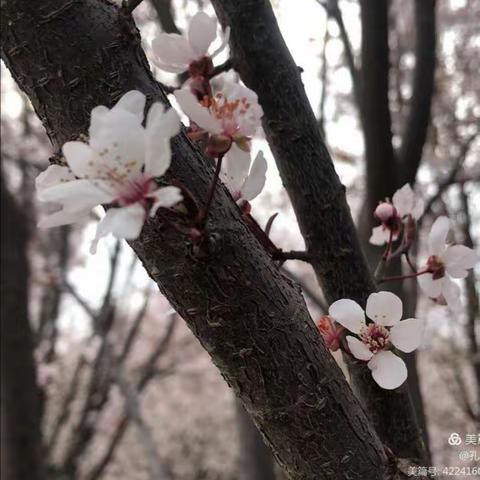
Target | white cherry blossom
(233,114)
(116,167)
(404,203)
(445,262)
(177,53)
(243,181)
(374,341)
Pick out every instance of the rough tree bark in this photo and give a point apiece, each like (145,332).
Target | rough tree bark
(20,399)
(71,56)
(318,198)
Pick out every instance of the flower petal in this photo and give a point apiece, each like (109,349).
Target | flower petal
(52,176)
(82,193)
(133,102)
(358,349)
(432,288)
(225,37)
(348,313)
(120,143)
(82,159)
(196,112)
(235,169)
(451,293)
(63,217)
(438,235)
(172,49)
(408,334)
(163,123)
(160,128)
(384,308)
(126,222)
(403,200)
(388,370)
(201,33)
(255,180)
(380,235)
(164,197)
(458,259)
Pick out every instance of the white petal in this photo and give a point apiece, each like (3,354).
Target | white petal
(348,313)
(62,217)
(359,349)
(407,335)
(80,192)
(172,49)
(380,235)
(196,112)
(53,175)
(235,168)
(388,370)
(201,33)
(432,288)
(384,308)
(97,118)
(120,142)
(133,102)
(158,157)
(163,123)
(223,44)
(255,181)
(418,208)
(165,197)
(458,259)
(126,222)
(82,159)
(403,200)
(437,237)
(451,293)
(158,150)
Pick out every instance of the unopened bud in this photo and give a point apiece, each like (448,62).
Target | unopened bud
(331,332)
(385,211)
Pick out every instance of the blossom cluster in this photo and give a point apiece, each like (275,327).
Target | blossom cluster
(123,165)
(374,342)
(126,155)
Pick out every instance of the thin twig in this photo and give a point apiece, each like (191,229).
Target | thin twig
(211,193)
(222,68)
(148,372)
(145,434)
(292,255)
(316,299)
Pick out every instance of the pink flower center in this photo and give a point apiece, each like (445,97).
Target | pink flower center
(134,190)
(436,267)
(228,112)
(375,337)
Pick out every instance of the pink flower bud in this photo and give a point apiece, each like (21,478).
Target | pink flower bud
(331,332)
(385,211)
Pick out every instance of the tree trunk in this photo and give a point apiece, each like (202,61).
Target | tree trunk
(20,409)
(71,56)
